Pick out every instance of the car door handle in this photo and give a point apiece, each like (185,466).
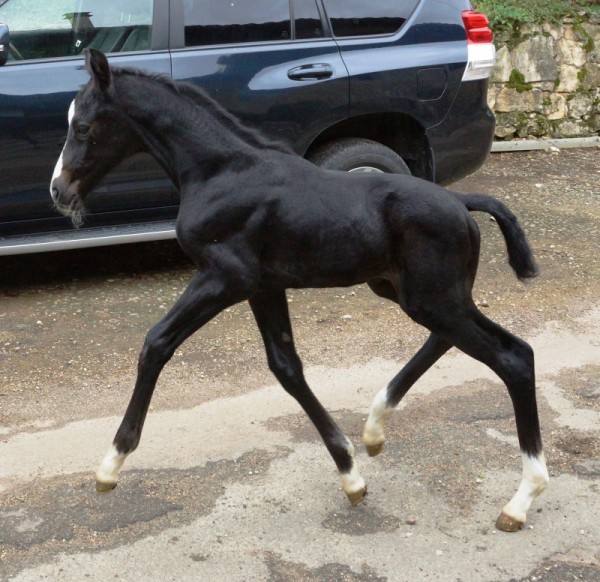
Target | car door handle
(311,72)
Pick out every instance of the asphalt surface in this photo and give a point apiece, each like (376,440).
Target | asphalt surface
(231,482)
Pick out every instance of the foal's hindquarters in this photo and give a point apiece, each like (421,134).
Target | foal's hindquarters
(447,309)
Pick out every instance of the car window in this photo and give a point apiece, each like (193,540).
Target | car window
(209,22)
(45,29)
(360,18)
(307,20)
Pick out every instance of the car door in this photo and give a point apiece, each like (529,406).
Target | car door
(406,56)
(37,84)
(270,62)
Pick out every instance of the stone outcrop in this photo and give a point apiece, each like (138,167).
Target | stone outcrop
(546,82)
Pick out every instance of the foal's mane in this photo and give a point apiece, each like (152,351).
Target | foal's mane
(201,99)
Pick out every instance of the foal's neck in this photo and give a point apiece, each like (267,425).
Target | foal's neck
(189,140)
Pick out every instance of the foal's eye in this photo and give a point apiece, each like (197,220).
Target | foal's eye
(82,131)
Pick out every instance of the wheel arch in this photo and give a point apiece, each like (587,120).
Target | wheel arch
(401,133)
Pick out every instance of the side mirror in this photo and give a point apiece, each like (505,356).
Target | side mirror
(3,43)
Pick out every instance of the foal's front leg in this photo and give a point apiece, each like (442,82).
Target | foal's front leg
(206,296)
(271,313)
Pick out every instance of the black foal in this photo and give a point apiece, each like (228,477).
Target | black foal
(257,219)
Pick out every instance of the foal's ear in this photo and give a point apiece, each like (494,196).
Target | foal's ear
(98,68)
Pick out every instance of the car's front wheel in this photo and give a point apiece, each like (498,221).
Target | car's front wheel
(358,155)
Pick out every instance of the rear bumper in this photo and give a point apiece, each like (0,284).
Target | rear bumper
(461,143)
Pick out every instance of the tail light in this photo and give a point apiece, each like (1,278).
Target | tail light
(477,27)
(480,47)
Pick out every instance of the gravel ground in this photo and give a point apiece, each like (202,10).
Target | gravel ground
(219,487)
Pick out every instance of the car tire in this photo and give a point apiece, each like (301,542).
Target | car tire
(358,155)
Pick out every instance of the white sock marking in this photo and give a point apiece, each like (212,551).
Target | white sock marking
(59,164)
(108,471)
(534,482)
(352,482)
(373,434)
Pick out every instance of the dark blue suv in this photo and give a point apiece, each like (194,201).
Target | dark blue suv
(383,85)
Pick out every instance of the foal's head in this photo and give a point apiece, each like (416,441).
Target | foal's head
(99,138)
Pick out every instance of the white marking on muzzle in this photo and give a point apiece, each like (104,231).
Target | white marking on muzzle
(59,164)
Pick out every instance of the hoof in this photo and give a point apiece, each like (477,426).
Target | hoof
(507,523)
(105,487)
(357,497)
(374,450)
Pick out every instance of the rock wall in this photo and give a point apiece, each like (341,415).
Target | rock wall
(546,82)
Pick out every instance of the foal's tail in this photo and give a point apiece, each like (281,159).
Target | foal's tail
(520,255)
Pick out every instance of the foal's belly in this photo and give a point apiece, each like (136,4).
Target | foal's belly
(323,260)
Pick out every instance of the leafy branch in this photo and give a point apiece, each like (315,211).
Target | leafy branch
(507,14)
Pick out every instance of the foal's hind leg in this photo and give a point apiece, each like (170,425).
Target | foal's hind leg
(271,313)
(389,397)
(206,296)
(512,360)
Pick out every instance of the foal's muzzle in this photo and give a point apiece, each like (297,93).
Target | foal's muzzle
(67,199)
(54,192)
(61,188)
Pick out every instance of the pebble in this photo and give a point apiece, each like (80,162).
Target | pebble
(411,520)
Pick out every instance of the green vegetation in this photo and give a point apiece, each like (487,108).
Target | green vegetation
(517,81)
(508,14)
(588,41)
